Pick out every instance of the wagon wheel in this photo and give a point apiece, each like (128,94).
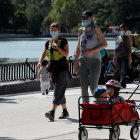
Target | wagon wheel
(83,134)
(113,135)
(117,128)
(134,132)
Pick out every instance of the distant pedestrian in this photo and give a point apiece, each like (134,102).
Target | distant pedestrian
(74,54)
(122,56)
(44,78)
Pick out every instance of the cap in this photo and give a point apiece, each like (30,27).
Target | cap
(87,13)
(99,91)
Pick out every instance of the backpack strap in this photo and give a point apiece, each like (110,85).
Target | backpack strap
(81,30)
(100,43)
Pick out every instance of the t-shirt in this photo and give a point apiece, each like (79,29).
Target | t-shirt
(122,47)
(120,99)
(44,76)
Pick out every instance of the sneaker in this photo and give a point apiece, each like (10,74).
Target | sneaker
(46,91)
(43,93)
(64,115)
(50,115)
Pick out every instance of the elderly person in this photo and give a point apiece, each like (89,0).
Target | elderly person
(88,56)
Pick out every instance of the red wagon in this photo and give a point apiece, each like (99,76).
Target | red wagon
(109,117)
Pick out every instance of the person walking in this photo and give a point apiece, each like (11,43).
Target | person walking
(44,78)
(57,49)
(88,56)
(122,56)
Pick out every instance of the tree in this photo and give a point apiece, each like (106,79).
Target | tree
(126,11)
(6,12)
(67,13)
(19,20)
(34,18)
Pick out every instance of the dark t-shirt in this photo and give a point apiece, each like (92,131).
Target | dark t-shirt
(62,45)
(122,47)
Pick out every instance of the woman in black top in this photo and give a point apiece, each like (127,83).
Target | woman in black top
(57,49)
(122,55)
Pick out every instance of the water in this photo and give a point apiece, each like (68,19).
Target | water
(18,49)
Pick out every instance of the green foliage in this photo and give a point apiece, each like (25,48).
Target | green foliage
(6,12)
(67,12)
(34,15)
(34,18)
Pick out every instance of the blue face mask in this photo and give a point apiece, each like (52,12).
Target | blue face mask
(54,34)
(85,22)
(121,32)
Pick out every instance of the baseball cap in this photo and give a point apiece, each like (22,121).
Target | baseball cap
(87,13)
(99,91)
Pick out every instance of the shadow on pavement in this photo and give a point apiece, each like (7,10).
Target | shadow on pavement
(73,120)
(3,100)
(7,138)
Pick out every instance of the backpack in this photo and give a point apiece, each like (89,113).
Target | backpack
(136,40)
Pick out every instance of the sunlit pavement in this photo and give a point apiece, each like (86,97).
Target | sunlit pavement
(22,117)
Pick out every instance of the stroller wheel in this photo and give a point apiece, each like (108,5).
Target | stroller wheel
(113,135)
(83,134)
(117,128)
(134,132)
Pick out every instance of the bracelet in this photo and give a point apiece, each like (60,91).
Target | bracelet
(130,56)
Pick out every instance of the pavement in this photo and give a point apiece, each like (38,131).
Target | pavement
(22,117)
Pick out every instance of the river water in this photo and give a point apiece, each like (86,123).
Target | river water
(18,49)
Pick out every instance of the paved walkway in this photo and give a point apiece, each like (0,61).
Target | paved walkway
(22,117)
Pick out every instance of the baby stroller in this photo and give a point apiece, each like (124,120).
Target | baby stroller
(132,73)
(109,117)
(105,67)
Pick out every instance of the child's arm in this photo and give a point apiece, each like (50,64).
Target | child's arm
(38,77)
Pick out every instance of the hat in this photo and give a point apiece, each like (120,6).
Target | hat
(87,13)
(99,91)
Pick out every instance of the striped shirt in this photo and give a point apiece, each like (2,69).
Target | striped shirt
(44,75)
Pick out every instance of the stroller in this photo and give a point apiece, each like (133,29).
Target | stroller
(134,72)
(109,117)
(105,67)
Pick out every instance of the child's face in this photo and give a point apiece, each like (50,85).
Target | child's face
(111,92)
(103,95)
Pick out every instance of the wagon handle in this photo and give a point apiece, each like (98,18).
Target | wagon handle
(134,90)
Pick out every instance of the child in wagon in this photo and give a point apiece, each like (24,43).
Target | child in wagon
(100,95)
(114,87)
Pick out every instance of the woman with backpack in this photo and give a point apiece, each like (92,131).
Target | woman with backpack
(57,49)
(122,56)
(88,56)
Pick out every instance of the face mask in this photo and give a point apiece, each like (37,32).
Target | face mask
(121,32)
(86,22)
(54,34)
